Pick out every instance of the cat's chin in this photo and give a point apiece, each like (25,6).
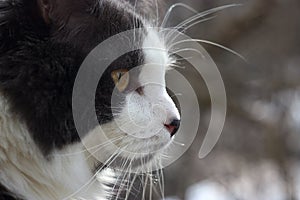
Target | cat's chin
(142,164)
(125,160)
(122,151)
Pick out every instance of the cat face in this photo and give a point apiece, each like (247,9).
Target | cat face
(144,117)
(43,54)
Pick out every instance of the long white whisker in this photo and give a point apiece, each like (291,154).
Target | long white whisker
(145,186)
(134,21)
(158,179)
(128,182)
(185,28)
(168,13)
(122,165)
(126,176)
(94,176)
(178,94)
(102,146)
(121,182)
(183,58)
(179,143)
(205,13)
(214,44)
(151,186)
(198,16)
(161,175)
(131,186)
(188,49)
(164,156)
(157,12)
(115,184)
(90,148)
(176,66)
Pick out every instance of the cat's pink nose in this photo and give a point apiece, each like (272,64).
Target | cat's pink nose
(173,126)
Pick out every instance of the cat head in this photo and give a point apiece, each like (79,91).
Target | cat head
(46,42)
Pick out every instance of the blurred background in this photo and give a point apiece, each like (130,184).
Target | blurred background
(257,156)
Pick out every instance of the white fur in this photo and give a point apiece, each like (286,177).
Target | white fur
(26,172)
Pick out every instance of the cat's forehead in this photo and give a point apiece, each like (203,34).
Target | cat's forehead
(147,65)
(150,59)
(156,58)
(154,48)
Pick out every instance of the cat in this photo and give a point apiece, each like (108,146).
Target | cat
(43,44)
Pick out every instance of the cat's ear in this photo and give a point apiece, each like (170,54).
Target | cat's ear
(45,7)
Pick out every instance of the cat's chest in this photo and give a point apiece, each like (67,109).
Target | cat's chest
(28,174)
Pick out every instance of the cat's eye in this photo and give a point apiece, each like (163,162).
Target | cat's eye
(120,78)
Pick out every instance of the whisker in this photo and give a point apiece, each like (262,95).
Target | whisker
(179,143)
(151,188)
(188,49)
(157,12)
(177,94)
(198,16)
(124,124)
(115,185)
(158,179)
(90,181)
(164,156)
(177,66)
(129,179)
(144,189)
(183,58)
(100,147)
(161,175)
(214,44)
(118,184)
(205,13)
(185,28)
(131,186)
(134,21)
(170,10)
(118,178)
(88,149)
(126,177)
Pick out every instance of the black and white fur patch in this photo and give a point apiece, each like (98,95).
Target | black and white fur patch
(42,45)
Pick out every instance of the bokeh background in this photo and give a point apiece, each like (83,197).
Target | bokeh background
(257,156)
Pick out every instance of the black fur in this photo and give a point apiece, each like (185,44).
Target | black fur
(6,195)
(39,62)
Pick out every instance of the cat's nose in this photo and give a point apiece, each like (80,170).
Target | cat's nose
(173,126)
